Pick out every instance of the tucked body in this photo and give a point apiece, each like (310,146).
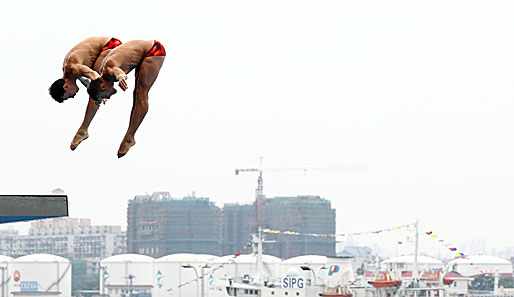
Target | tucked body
(79,64)
(146,58)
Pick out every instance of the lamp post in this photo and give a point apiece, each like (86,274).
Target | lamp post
(197,279)
(203,278)
(2,280)
(131,284)
(313,272)
(103,270)
(305,268)
(318,270)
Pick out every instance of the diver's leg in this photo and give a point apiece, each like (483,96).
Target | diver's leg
(145,78)
(82,134)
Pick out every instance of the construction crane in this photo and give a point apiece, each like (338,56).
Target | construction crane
(259,194)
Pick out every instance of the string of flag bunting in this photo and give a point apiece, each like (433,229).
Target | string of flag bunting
(448,245)
(453,249)
(482,271)
(213,270)
(274,231)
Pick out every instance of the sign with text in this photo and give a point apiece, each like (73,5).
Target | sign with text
(28,286)
(292,283)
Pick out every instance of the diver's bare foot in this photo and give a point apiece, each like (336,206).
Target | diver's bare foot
(126,144)
(79,137)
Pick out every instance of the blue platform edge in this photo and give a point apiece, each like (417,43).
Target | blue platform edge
(21,219)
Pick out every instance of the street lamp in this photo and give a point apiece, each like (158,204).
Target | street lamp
(203,278)
(103,270)
(313,273)
(197,279)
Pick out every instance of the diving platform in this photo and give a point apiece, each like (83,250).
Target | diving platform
(16,208)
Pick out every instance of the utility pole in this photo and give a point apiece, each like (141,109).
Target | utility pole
(415,274)
(131,279)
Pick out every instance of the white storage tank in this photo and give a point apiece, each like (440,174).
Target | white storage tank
(173,270)
(124,274)
(48,275)
(245,266)
(406,263)
(320,270)
(4,275)
(474,265)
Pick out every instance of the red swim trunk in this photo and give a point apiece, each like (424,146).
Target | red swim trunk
(113,43)
(156,50)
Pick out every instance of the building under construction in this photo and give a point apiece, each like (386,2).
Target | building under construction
(239,222)
(158,225)
(304,214)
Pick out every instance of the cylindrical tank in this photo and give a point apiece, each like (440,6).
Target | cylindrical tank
(176,269)
(126,274)
(245,266)
(40,273)
(4,275)
(473,265)
(406,263)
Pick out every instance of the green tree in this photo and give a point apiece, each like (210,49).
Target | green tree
(507,282)
(90,283)
(483,283)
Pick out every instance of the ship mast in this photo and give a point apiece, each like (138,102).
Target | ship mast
(257,244)
(416,270)
(258,240)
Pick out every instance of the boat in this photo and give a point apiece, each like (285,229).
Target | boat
(336,292)
(259,285)
(386,281)
(435,277)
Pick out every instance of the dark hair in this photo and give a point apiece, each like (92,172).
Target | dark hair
(56,90)
(94,89)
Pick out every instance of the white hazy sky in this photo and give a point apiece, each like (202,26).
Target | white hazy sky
(419,92)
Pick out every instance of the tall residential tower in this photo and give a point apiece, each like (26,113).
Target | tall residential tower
(160,225)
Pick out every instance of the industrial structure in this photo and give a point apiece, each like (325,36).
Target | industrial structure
(4,275)
(40,275)
(173,270)
(479,264)
(126,275)
(72,238)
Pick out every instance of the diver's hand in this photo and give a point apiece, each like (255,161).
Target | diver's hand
(122,78)
(85,81)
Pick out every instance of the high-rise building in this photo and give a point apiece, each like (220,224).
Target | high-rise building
(239,222)
(159,225)
(8,240)
(304,214)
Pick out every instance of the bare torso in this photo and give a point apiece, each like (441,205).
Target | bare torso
(85,53)
(125,57)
